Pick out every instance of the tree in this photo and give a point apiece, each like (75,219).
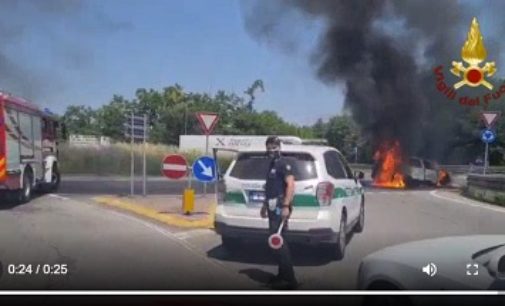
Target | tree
(341,132)
(171,112)
(80,119)
(112,116)
(258,84)
(319,129)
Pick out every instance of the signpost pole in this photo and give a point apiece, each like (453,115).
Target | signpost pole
(132,158)
(485,158)
(189,177)
(207,122)
(207,154)
(144,170)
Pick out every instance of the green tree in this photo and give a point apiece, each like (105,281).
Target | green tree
(319,129)
(80,119)
(256,85)
(341,132)
(111,117)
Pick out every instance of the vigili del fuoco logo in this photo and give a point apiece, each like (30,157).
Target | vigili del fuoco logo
(472,72)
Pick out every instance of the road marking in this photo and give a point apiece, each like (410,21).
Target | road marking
(397,192)
(174,238)
(170,219)
(52,195)
(192,234)
(468,202)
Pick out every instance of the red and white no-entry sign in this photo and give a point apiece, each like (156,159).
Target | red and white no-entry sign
(174,166)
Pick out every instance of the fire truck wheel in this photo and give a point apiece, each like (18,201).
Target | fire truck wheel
(55,179)
(25,194)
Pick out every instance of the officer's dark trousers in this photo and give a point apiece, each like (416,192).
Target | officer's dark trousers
(282,255)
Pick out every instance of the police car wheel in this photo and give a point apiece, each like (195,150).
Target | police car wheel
(342,238)
(230,243)
(361,221)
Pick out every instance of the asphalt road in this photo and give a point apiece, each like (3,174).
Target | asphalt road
(106,249)
(93,185)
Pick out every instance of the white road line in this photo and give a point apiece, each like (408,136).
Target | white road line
(192,234)
(173,237)
(468,202)
(396,192)
(52,195)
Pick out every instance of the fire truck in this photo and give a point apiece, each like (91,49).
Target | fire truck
(28,149)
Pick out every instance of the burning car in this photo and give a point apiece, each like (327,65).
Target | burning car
(421,170)
(392,170)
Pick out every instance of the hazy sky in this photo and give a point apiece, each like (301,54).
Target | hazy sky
(82,52)
(61,52)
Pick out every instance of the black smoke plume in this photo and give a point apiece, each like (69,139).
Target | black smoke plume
(384,52)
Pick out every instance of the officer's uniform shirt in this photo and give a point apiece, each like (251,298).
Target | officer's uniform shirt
(275,186)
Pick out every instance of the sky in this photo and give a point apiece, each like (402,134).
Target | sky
(83,52)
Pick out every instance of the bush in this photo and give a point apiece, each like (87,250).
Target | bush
(115,159)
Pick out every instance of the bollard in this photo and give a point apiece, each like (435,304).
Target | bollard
(188,201)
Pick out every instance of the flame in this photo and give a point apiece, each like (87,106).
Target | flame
(473,51)
(389,164)
(443,178)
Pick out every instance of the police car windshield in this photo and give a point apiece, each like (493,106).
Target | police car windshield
(254,166)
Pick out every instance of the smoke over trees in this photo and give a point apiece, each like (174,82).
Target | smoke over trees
(384,52)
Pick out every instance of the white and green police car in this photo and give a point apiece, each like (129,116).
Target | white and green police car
(328,204)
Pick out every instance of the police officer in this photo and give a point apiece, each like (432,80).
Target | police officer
(279,190)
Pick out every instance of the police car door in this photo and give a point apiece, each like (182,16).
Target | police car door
(344,187)
(356,190)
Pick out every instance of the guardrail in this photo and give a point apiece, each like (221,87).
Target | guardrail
(489,188)
(492,181)
(454,169)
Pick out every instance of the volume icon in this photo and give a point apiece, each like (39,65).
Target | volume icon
(430,269)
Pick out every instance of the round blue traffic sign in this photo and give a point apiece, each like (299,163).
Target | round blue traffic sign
(488,136)
(204,169)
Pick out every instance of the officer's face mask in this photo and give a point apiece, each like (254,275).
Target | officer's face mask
(273,151)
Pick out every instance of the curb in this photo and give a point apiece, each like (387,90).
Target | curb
(169,219)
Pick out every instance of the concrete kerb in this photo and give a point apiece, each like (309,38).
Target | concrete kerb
(172,219)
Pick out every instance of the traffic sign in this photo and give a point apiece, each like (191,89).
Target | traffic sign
(490,117)
(174,166)
(138,131)
(135,127)
(204,169)
(488,136)
(207,121)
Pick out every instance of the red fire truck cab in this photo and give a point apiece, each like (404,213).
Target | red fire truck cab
(28,148)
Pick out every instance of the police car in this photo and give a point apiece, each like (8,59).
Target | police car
(328,203)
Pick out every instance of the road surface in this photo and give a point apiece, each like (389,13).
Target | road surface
(93,185)
(107,249)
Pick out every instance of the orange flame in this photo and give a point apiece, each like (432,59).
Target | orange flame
(443,178)
(389,164)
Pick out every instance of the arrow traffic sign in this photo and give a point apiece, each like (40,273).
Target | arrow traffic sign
(490,117)
(207,121)
(488,136)
(174,166)
(204,169)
